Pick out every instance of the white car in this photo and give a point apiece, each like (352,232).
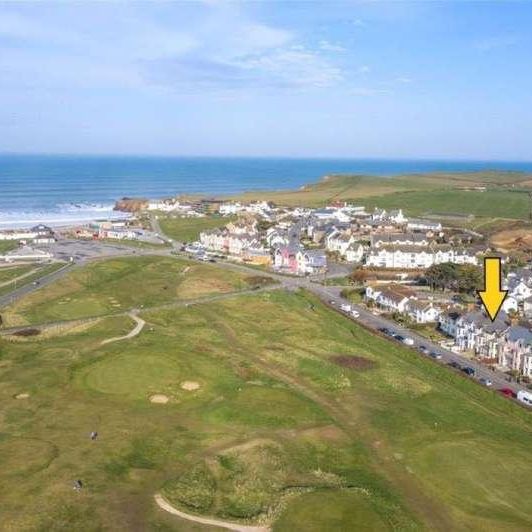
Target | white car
(408,341)
(355,314)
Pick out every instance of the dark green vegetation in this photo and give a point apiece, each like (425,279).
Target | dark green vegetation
(465,278)
(121,284)
(188,229)
(297,416)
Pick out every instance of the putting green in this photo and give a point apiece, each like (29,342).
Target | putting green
(136,375)
(261,406)
(331,511)
(491,480)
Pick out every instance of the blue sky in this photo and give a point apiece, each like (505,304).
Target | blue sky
(339,79)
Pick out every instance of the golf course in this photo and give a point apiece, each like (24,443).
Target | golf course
(263,409)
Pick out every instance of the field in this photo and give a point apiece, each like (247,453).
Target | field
(188,229)
(117,285)
(24,274)
(7,245)
(505,195)
(271,409)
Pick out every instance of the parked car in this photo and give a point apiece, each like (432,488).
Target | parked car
(346,307)
(423,349)
(524,397)
(435,355)
(332,302)
(485,382)
(398,337)
(468,371)
(508,392)
(355,314)
(384,330)
(408,341)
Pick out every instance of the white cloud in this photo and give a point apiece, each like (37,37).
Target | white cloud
(327,46)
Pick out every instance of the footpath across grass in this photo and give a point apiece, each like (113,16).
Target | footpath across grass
(264,408)
(116,285)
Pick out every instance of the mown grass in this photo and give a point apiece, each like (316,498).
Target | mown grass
(120,284)
(490,203)
(7,273)
(188,229)
(7,245)
(367,188)
(277,432)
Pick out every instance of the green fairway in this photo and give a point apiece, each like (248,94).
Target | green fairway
(188,229)
(490,203)
(120,284)
(276,410)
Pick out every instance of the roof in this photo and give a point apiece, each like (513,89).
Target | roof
(481,320)
(517,333)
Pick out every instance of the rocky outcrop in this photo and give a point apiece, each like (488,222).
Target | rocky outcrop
(131,204)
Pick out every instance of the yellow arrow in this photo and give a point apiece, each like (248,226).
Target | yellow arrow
(492,296)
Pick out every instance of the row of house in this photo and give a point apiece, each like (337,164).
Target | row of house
(509,346)
(404,300)
(39,235)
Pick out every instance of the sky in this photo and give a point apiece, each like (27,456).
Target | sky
(354,79)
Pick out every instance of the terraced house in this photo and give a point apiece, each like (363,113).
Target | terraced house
(413,256)
(516,350)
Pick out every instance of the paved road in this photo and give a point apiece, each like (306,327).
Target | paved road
(25,289)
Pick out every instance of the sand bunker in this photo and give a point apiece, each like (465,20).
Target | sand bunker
(159,398)
(22,395)
(190,385)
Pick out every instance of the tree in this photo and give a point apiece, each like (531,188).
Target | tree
(470,278)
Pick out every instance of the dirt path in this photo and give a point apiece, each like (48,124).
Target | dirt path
(131,334)
(167,507)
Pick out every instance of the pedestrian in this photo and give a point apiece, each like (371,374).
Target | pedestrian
(94,435)
(78,485)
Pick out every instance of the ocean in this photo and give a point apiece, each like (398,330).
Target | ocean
(58,190)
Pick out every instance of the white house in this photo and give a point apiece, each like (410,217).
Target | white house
(26,254)
(397,216)
(423,311)
(226,209)
(416,224)
(409,257)
(355,252)
(311,261)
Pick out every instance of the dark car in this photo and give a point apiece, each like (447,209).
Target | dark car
(507,392)
(384,330)
(454,365)
(435,355)
(398,337)
(468,371)
(423,348)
